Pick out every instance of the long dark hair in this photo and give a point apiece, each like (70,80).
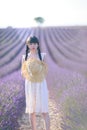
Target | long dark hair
(32,40)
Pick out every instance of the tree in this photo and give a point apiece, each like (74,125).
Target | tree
(39,20)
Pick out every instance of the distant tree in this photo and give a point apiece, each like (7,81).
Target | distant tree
(39,20)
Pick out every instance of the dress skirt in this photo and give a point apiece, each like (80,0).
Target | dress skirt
(36,95)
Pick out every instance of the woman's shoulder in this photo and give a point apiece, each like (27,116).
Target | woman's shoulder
(43,53)
(23,55)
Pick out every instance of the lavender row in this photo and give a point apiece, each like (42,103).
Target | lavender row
(12,101)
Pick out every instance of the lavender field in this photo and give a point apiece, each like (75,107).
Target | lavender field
(66,49)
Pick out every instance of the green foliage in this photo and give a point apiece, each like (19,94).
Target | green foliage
(39,20)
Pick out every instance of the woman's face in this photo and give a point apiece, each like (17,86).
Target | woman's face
(33,46)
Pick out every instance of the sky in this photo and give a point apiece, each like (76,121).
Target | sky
(21,13)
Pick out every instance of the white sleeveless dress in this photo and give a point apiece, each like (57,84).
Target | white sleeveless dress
(36,94)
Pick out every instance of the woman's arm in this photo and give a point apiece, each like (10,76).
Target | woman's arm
(23,59)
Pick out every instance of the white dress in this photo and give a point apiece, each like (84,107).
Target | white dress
(36,94)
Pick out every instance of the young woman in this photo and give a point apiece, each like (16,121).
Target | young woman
(36,92)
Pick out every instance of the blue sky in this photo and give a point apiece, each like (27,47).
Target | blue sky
(21,13)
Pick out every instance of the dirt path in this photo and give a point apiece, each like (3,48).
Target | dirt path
(55,119)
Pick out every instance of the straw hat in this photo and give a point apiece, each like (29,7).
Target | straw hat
(34,70)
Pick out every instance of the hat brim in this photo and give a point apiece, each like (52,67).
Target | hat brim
(34,70)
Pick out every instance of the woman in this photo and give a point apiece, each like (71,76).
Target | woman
(36,92)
